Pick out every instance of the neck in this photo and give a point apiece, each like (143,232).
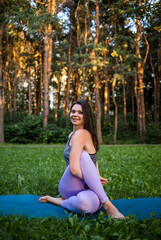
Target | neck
(75,128)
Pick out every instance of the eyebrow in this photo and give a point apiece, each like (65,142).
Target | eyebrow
(76,110)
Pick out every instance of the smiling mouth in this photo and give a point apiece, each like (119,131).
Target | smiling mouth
(75,119)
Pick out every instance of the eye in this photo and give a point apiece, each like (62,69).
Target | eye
(73,111)
(80,112)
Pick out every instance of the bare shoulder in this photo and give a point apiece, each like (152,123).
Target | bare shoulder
(81,133)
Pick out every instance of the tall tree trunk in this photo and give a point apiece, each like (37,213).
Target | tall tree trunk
(15,93)
(137,102)
(158,99)
(133,106)
(69,67)
(78,89)
(155,93)
(107,102)
(114,83)
(46,80)
(47,61)
(1,91)
(29,76)
(86,85)
(29,91)
(35,91)
(40,98)
(106,92)
(124,97)
(15,83)
(7,80)
(10,99)
(116,108)
(96,79)
(59,82)
(140,69)
(57,96)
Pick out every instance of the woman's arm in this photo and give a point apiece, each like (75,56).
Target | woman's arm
(78,143)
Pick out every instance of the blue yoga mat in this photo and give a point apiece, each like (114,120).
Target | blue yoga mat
(29,206)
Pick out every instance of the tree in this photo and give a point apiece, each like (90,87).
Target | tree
(96,79)
(1,91)
(140,75)
(47,60)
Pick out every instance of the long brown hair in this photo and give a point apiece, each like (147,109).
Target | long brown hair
(88,121)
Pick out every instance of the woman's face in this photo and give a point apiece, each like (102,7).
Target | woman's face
(76,116)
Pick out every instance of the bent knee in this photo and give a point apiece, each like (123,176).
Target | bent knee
(83,206)
(88,205)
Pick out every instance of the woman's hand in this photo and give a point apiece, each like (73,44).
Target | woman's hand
(103,180)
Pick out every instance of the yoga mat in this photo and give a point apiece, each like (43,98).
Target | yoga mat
(29,206)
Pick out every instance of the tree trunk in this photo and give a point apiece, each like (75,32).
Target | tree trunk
(69,68)
(107,103)
(10,99)
(140,69)
(1,92)
(137,102)
(133,106)
(35,92)
(124,96)
(106,100)
(40,94)
(29,91)
(116,108)
(85,70)
(41,85)
(46,80)
(96,79)
(158,100)
(47,62)
(106,90)
(78,90)
(155,94)
(15,93)
(15,83)
(59,82)
(57,96)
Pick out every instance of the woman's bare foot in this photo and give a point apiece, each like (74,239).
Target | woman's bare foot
(112,211)
(115,214)
(48,199)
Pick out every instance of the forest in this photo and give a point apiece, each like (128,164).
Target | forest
(54,52)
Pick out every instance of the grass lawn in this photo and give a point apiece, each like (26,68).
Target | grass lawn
(132,172)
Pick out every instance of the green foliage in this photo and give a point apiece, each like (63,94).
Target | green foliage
(153,133)
(29,129)
(25,131)
(132,171)
(18,228)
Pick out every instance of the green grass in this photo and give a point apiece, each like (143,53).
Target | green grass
(132,172)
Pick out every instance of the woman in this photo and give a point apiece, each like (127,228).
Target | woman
(81,185)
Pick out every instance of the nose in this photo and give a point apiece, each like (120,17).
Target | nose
(75,114)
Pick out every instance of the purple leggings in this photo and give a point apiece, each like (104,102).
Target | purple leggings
(79,198)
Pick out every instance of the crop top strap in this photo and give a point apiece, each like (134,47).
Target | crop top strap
(70,137)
